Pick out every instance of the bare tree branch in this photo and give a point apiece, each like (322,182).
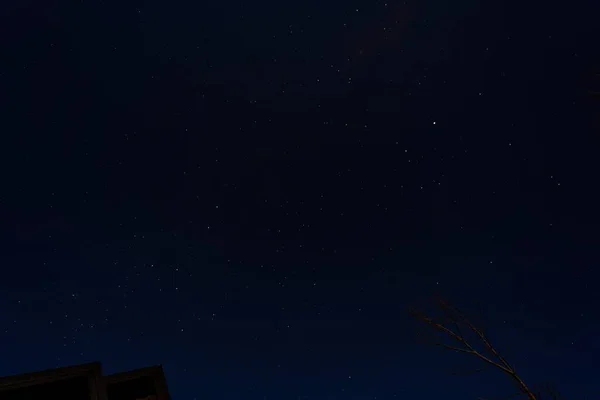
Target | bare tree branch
(479,333)
(455,348)
(468,347)
(456,318)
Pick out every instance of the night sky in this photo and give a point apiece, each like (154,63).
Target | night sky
(253,193)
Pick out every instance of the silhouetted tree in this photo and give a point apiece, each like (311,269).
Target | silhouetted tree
(452,326)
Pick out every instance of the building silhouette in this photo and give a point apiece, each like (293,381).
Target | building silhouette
(86,382)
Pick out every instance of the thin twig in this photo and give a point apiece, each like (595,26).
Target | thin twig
(457,335)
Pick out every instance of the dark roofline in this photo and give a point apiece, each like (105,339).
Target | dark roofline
(50,375)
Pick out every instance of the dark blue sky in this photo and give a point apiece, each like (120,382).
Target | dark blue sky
(252,194)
